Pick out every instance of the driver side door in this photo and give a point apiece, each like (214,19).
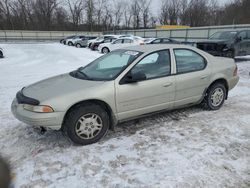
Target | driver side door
(155,93)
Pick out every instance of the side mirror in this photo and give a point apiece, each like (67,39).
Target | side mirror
(134,77)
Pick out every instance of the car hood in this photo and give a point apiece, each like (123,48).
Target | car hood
(58,86)
(215,41)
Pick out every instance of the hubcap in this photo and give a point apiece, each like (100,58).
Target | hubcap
(88,126)
(78,45)
(105,50)
(217,96)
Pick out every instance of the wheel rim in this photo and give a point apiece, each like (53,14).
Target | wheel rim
(105,50)
(88,126)
(217,97)
(78,45)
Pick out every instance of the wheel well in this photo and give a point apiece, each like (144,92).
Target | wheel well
(103,104)
(222,81)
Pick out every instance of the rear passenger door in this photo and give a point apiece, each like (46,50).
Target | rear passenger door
(192,76)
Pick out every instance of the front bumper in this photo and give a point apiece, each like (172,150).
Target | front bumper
(48,120)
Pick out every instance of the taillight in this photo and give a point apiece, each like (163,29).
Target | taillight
(235,71)
(142,43)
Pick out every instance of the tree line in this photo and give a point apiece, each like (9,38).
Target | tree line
(104,15)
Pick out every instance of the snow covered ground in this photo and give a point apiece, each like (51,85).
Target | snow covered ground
(184,148)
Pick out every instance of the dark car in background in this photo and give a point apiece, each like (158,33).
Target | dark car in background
(227,43)
(94,45)
(83,43)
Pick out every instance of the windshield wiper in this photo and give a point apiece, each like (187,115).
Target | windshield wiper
(83,74)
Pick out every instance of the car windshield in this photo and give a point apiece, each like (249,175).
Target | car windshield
(107,67)
(224,35)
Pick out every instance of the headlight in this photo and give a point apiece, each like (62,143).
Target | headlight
(39,109)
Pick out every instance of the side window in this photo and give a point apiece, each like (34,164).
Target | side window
(127,41)
(107,40)
(118,41)
(157,41)
(188,61)
(242,35)
(248,34)
(166,41)
(155,65)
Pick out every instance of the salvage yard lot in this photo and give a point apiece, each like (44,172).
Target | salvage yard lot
(183,148)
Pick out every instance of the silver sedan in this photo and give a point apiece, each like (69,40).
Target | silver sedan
(123,85)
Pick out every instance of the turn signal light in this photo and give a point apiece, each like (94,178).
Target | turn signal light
(47,109)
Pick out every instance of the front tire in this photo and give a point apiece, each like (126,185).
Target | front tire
(105,50)
(70,43)
(215,96)
(87,124)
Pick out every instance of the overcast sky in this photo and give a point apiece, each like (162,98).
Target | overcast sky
(157,3)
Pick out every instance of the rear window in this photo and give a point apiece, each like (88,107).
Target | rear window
(188,61)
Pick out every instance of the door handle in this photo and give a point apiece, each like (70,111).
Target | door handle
(204,77)
(167,84)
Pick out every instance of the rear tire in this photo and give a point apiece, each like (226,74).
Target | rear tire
(1,54)
(86,124)
(78,45)
(215,97)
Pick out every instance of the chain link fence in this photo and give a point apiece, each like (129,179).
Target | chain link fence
(189,34)
(39,36)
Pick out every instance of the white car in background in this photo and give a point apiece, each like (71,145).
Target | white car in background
(101,38)
(120,43)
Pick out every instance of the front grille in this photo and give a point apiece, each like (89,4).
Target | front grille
(22,99)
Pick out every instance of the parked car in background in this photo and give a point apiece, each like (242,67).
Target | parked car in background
(1,53)
(95,45)
(120,43)
(102,38)
(161,41)
(83,42)
(227,43)
(123,85)
(71,41)
(63,41)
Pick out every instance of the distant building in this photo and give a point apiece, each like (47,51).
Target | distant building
(172,27)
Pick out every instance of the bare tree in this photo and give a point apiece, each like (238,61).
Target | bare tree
(76,8)
(164,15)
(145,11)
(100,10)
(6,13)
(117,13)
(44,10)
(90,14)
(136,11)
(127,16)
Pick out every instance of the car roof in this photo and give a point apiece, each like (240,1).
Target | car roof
(157,47)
